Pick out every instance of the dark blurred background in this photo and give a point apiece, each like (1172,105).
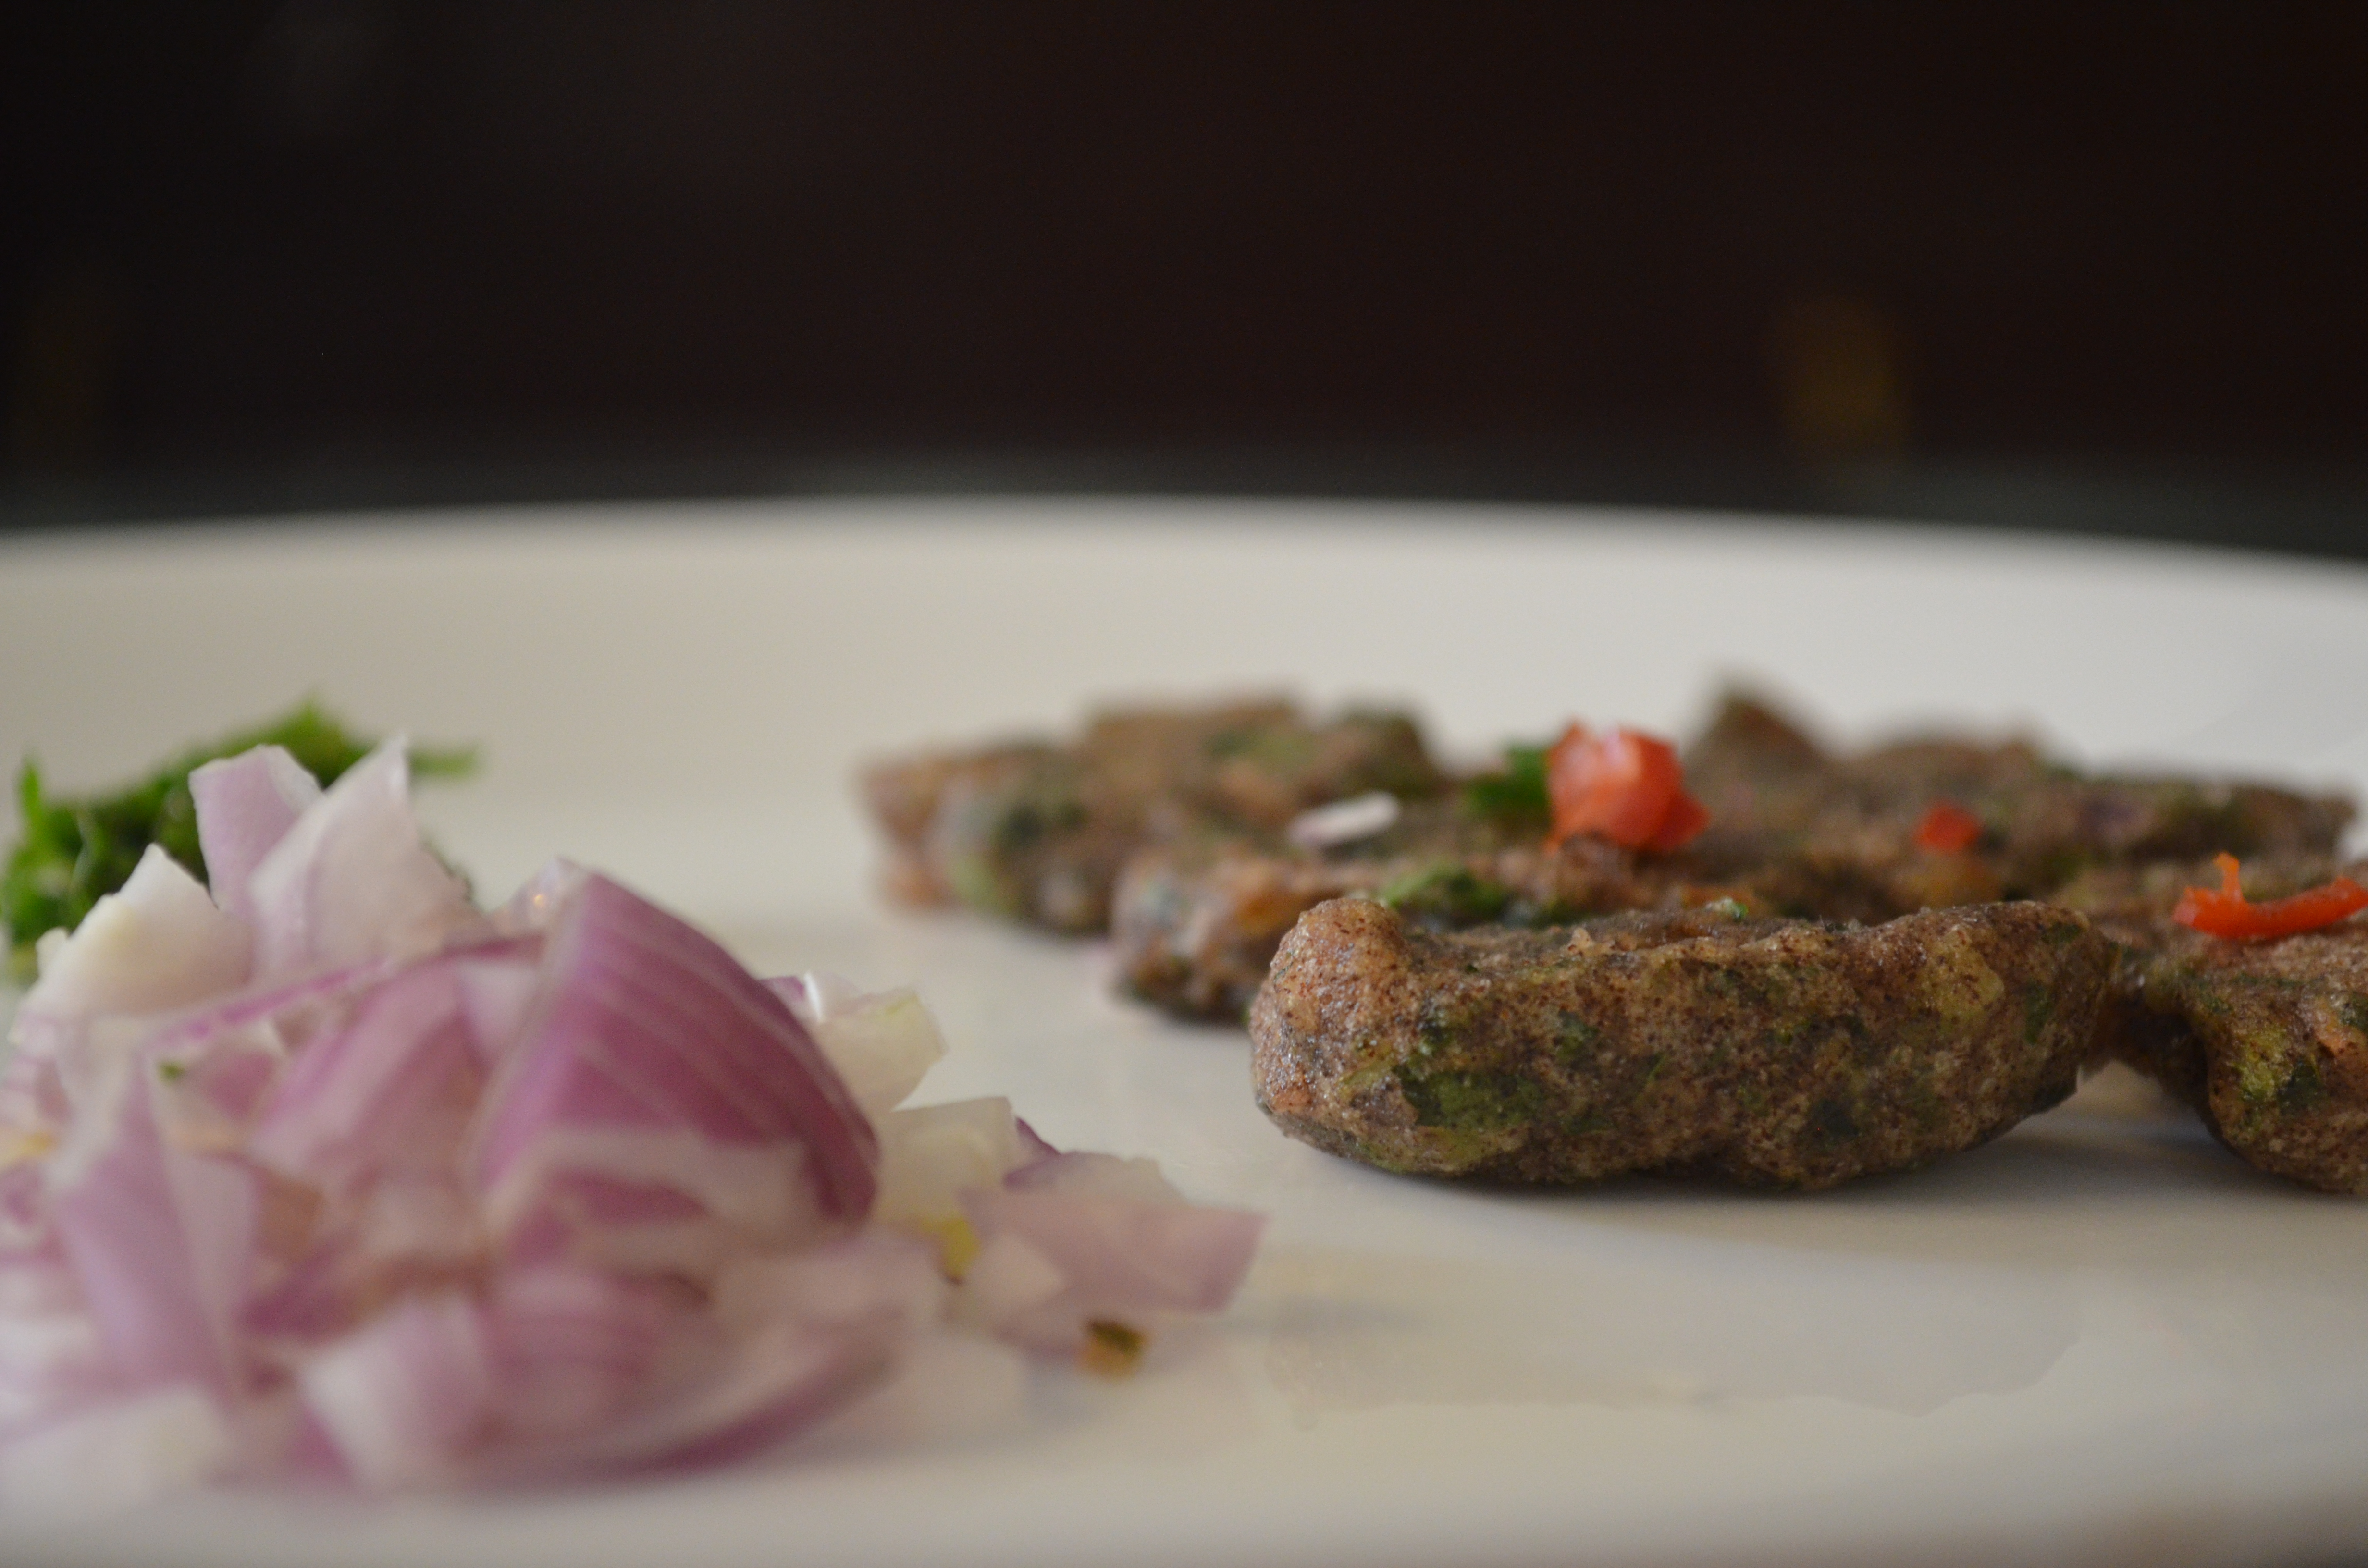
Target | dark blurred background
(2067,266)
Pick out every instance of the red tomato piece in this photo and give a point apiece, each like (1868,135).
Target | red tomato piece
(2225,911)
(1686,817)
(1947,828)
(1624,786)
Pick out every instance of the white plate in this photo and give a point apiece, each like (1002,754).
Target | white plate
(2100,1339)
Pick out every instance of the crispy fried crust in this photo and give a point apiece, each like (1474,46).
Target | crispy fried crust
(1036,831)
(1796,831)
(2267,1040)
(1194,925)
(1776,1052)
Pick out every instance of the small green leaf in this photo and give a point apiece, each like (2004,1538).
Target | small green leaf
(1516,794)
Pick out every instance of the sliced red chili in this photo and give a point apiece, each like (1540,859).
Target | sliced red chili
(2225,911)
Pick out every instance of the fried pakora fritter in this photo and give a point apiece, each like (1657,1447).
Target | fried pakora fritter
(1844,828)
(1794,831)
(2267,1041)
(1779,1052)
(1036,831)
(1195,924)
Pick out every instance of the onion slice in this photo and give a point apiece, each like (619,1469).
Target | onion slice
(330,1176)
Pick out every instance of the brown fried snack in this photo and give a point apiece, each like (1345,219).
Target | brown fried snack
(1777,1053)
(2042,823)
(1036,831)
(1195,924)
(1794,831)
(2267,1040)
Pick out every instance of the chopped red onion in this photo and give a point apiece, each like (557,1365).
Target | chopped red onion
(643,1022)
(246,805)
(116,1452)
(126,1233)
(1118,1256)
(351,878)
(155,943)
(883,1043)
(572,1347)
(339,1178)
(401,1395)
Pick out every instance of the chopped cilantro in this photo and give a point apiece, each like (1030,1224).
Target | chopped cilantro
(1516,794)
(73,852)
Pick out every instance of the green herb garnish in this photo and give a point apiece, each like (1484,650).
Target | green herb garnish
(1516,794)
(1446,894)
(71,853)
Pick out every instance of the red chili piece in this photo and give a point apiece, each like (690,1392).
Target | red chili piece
(1947,828)
(1625,785)
(2225,911)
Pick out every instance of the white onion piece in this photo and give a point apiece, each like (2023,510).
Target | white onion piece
(931,1155)
(858,1283)
(882,1042)
(1103,1174)
(352,878)
(117,1453)
(1345,822)
(246,805)
(155,943)
(1119,1256)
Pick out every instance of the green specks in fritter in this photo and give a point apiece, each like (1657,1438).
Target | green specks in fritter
(1018,826)
(2304,1088)
(1268,745)
(1958,981)
(1832,1119)
(1574,1039)
(1470,1101)
(1514,797)
(1039,830)
(1434,1031)
(1448,894)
